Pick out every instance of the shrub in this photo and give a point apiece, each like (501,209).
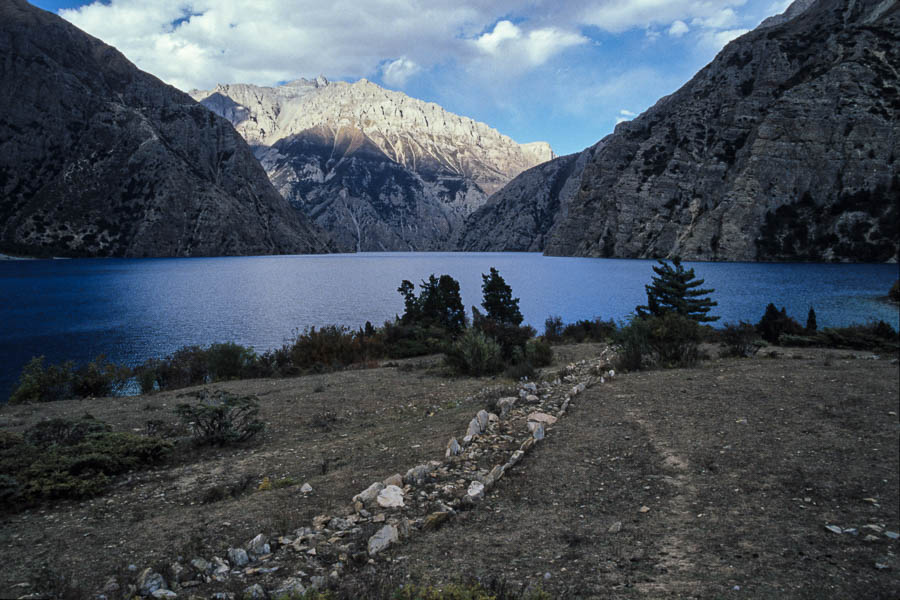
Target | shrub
(405,341)
(583,330)
(71,459)
(475,354)
(876,336)
(739,340)
(229,361)
(99,378)
(633,344)
(38,383)
(774,323)
(539,353)
(333,347)
(508,335)
(184,367)
(63,432)
(675,339)
(553,328)
(894,294)
(221,418)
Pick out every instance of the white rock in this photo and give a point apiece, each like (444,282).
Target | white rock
(542,418)
(483,419)
(238,557)
(385,536)
(306,488)
(476,490)
(258,546)
(538,431)
(505,405)
(164,594)
(149,581)
(368,495)
(452,448)
(390,497)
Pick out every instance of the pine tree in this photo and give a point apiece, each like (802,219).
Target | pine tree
(439,304)
(811,324)
(675,290)
(498,303)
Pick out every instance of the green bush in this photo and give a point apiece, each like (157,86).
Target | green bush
(39,383)
(70,459)
(774,323)
(509,336)
(229,361)
(675,340)
(632,343)
(99,378)
(475,354)
(221,418)
(739,340)
(894,294)
(539,353)
(876,336)
(672,340)
(333,347)
(553,328)
(583,330)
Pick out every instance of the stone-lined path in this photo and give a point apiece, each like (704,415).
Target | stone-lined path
(392,510)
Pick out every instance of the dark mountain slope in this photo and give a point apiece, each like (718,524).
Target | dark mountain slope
(785,147)
(98,158)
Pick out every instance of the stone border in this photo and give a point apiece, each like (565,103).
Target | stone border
(394,509)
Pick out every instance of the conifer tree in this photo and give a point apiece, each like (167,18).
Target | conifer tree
(498,303)
(811,324)
(675,290)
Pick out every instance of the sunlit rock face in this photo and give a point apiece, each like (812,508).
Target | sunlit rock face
(376,168)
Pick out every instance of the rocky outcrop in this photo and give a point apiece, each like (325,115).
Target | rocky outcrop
(98,158)
(378,169)
(785,147)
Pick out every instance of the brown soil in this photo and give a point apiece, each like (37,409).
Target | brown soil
(741,462)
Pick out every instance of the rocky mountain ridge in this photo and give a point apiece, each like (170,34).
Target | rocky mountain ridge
(783,148)
(101,159)
(377,168)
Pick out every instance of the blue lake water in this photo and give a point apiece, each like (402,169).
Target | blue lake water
(135,309)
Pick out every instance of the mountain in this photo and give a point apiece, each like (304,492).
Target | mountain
(376,168)
(785,147)
(98,158)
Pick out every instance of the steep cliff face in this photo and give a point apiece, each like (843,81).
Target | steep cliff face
(98,158)
(378,169)
(785,147)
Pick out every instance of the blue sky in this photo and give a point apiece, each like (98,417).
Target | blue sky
(561,71)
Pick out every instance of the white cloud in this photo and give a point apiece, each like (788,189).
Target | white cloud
(716,40)
(198,43)
(510,43)
(397,72)
(616,16)
(678,29)
(625,115)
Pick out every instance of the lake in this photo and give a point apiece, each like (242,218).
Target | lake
(133,309)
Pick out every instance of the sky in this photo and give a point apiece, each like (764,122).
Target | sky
(561,71)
